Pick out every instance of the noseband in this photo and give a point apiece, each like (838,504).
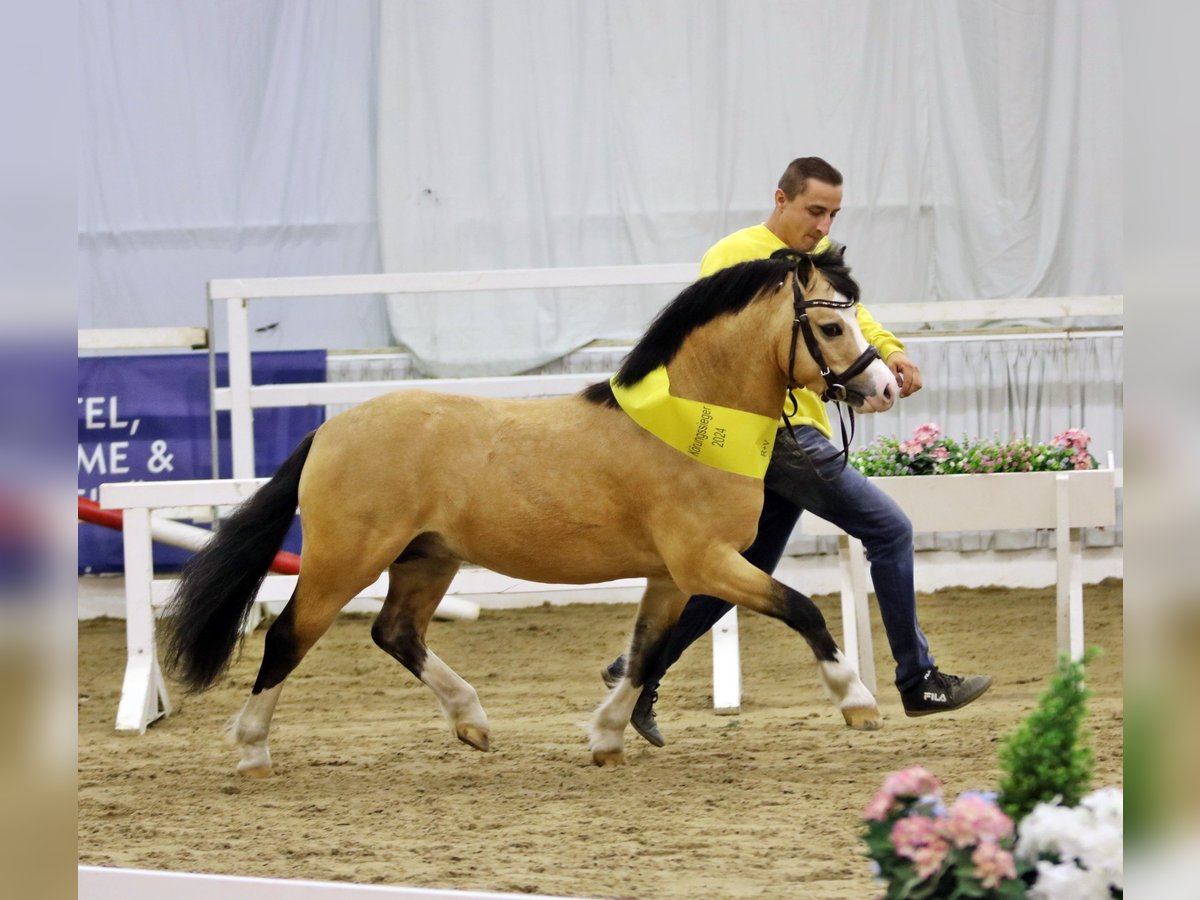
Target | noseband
(835,383)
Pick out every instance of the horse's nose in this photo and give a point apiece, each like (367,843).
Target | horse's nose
(888,396)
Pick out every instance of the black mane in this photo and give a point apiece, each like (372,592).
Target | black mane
(729,290)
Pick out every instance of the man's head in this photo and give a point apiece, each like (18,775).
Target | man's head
(808,198)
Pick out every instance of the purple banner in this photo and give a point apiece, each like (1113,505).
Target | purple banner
(146,418)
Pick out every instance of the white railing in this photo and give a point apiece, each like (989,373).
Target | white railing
(144,695)
(105,883)
(181,338)
(242,397)
(1066,502)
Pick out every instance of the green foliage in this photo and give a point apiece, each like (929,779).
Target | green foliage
(1046,757)
(928,452)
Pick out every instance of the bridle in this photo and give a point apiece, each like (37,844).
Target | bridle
(835,383)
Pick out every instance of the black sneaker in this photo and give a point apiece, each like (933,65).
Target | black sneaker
(613,672)
(644,721)
(939,692)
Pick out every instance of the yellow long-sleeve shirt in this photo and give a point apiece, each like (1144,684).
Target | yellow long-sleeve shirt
(759,242)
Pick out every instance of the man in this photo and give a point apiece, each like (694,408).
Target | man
(809,474)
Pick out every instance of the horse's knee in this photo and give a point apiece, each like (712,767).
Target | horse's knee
(402,642)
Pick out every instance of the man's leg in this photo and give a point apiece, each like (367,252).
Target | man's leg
(841,495)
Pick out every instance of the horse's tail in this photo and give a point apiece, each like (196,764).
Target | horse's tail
(218,585)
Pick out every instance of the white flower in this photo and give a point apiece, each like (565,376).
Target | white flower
(1067,882)
(1050,830)
(1087,841)
(1107,805)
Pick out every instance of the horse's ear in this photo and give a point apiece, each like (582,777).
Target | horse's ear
(801,262)
(804,268)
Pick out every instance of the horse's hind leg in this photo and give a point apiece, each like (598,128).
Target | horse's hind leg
(417,585)
(660,607)
(314,605)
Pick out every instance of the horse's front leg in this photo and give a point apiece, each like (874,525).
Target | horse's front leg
(729,576)
(660,607)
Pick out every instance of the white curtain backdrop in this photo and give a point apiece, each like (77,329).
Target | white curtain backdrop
(228,139)
(980,144)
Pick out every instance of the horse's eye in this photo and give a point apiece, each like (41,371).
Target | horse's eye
(831,330)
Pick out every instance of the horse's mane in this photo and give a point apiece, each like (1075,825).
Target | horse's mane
(729,290)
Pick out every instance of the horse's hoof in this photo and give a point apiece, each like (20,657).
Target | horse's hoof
(606,758)
(863,718)
(256,771)
(474,735)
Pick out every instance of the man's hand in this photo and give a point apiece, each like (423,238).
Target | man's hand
(908,376)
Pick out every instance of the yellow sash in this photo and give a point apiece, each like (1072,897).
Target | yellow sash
(729,439)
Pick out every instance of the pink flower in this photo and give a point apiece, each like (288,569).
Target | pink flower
(880,807)
(1082,459)
(941,454)
(927,435)
(911,448)
(916,838)
(1075,438)
(993,864)
(915,782)
(928,859)
(972,819)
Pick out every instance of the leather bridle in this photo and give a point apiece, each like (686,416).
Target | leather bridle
(835,383)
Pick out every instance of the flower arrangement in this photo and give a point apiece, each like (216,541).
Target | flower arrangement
(929,452)
(923,849)
(1066,844)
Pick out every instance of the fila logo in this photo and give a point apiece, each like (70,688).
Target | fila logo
(936,698)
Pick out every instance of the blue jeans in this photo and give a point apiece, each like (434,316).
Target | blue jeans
(810,477)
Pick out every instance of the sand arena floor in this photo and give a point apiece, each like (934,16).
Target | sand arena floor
(372,788)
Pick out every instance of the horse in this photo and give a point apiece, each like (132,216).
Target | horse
(564,489)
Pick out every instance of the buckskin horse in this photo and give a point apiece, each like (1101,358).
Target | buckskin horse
(628,478)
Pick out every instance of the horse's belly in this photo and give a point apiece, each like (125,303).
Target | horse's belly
(557,552)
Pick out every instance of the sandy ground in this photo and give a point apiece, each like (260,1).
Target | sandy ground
(372,788)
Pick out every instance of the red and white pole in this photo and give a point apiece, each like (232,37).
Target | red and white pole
(177,534)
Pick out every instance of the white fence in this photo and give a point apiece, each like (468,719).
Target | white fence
(144,694)
(102,883)
(1066,502)
(144,697)
(242,397)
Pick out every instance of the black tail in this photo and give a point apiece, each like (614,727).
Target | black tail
(218,585)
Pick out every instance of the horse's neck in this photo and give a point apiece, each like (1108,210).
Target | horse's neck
(729,364)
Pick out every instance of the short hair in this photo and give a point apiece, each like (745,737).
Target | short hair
(795,177)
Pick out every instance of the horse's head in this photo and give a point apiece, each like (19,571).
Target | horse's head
(827,352)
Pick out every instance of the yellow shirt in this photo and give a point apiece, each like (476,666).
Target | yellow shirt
(759,242)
